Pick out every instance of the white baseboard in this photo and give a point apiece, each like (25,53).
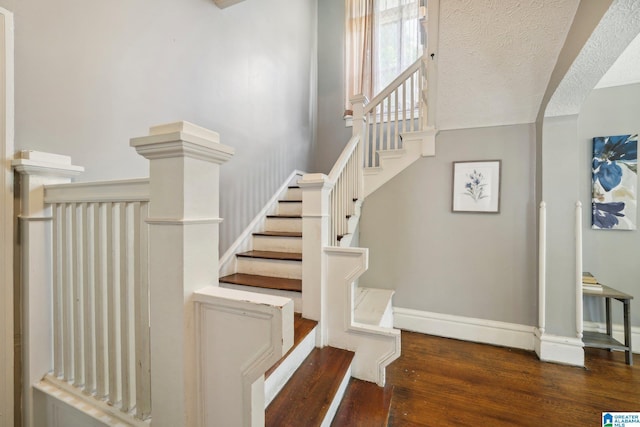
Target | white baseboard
(618,333)
(559,349)
(243,242)
(465,328)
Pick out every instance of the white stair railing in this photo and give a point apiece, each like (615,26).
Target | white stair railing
(399,108)
(345,180)
(101,291)
(112,273)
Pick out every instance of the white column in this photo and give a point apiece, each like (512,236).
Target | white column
(37,170)
(315,236)
(183,256)
(579,309)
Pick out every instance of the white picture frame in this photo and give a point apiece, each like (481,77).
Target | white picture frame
(476,186)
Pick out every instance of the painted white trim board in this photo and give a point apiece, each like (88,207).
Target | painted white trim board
(6,220)
(465,328)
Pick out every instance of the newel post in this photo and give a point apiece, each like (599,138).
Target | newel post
(358,103)
(315,237)
(36,170)
(183,256)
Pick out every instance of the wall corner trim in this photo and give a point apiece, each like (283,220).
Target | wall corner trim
(465,328)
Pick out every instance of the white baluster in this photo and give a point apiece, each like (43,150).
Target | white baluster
(374,140)
(126,255)
(88,266)
(101,250)
(112,304)
(396,130)
(67,301)
(143,364)
(58,362)
(78,299)
(387,144)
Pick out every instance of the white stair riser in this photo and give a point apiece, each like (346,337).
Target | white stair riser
(288,367)
(335,403)
(284,224)
(293,194)
(270,267)
(296,297)
(290,208)
(277,244)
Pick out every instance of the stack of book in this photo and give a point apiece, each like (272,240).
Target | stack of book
(590,283)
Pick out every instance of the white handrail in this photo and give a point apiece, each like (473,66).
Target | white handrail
(346,154)
(394,84)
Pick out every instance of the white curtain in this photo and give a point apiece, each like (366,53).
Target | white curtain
(359,46)
(382,40)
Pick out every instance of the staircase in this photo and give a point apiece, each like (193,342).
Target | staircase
(299,247)
(274,265)
(354,333)
(307,385)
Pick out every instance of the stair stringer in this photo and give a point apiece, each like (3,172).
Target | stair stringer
(392,162)
(375,347)
(244,242)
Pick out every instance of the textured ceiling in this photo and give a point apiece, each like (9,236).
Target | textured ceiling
(496,57)
(626,69)
(618,27)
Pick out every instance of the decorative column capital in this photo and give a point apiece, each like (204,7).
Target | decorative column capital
(315,181)
(182,139)
(29,162)
(358,99)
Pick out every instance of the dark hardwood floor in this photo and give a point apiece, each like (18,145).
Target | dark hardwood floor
(444,382)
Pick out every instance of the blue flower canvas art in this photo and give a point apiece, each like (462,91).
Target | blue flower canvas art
(615,181)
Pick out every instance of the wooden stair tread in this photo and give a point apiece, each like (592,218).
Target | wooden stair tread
(306,398)
(290,201)
(286,256)
(279,233)
(266,282)
(301,328)
(285,216)
(364,404)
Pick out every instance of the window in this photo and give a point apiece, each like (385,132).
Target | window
(382,40)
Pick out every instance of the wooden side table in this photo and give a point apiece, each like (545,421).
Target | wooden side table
(600,340)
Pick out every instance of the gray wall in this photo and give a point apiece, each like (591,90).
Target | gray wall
(91,75)
(464,264)
(332,133)
(611,255)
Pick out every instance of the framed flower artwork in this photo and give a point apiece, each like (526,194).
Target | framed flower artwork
(476,186)
(614,173)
